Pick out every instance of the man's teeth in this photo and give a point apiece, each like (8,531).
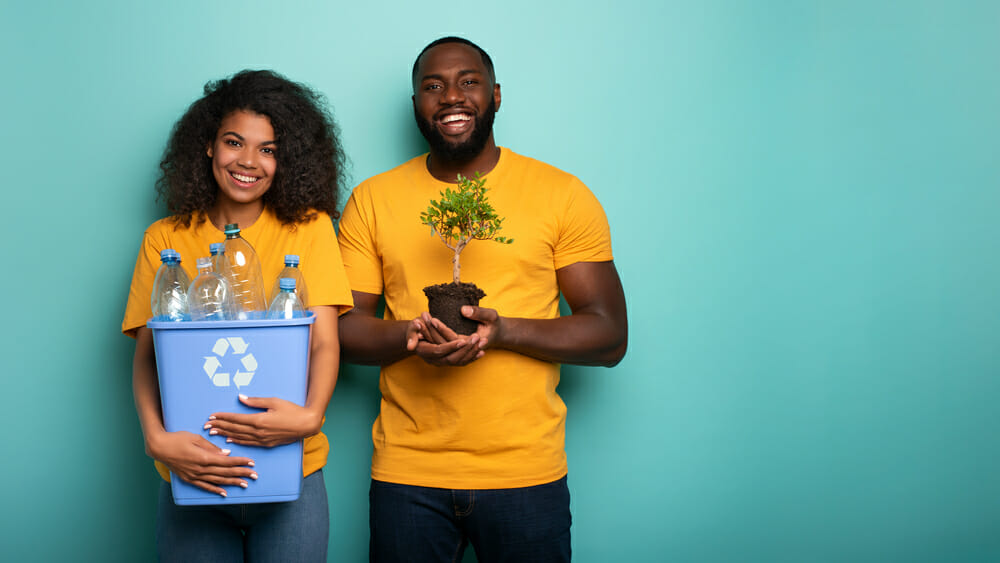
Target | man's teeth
(455,117)
(242,178)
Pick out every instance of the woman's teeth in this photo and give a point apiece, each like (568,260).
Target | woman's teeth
(244,179)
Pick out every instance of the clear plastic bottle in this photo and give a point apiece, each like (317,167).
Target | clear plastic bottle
(292,270)
(220,264)
(210,297)
(168,299)
(245,277)
(286,304)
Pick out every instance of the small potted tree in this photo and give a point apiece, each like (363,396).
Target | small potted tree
(459,217)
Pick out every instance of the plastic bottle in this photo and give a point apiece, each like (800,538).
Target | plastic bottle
(220,264)
(210,297)
(245,277)
(168,299)
(286,304)
(292,271)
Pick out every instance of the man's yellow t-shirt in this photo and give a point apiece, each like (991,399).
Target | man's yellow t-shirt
(497,422)
(315,242)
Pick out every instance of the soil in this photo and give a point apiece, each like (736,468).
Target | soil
(445,301)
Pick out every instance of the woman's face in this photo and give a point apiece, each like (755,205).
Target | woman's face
(243,156)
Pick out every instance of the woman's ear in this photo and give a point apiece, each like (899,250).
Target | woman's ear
(208,151)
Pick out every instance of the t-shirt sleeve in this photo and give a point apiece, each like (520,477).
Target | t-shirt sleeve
(584,234)
(323,268)
(138,309)
(357,245)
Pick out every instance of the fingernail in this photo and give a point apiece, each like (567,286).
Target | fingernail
(223,494)
(251,465)
(207,426)
(243,484)
(227,452)
(243,397)
(466,310)
(213,432)
(253,476)
(228,440)
(212,417)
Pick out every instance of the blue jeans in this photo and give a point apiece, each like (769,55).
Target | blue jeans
(275,531)
(423,524)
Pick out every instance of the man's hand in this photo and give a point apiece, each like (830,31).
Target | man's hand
(440,346)
(282,422)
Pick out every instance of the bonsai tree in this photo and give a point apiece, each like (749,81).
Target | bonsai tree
(461,215)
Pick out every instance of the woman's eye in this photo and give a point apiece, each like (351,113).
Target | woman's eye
(232,142)
(267,150)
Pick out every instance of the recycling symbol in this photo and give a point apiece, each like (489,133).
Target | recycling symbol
(214,362)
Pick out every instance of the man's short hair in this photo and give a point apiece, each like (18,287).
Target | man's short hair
(451,39)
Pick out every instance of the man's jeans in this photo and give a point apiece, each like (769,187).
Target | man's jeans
(422,524)
(270,531)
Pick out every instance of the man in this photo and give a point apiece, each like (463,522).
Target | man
(469,442)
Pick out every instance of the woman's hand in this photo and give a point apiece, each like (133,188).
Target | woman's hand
(200,462)
(281,422)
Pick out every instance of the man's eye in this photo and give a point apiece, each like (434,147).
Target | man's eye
(432,87)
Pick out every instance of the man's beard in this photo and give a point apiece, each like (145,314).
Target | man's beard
(461,152)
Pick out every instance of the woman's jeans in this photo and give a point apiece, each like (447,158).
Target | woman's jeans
(423,524)
(276,531)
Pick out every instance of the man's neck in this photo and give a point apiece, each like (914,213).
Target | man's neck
(448,171)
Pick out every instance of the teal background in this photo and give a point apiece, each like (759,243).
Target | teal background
(804,204)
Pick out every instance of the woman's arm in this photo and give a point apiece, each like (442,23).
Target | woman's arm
(191,457)
(281,421)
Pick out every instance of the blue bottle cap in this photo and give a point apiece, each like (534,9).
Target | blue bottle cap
(168,254)
(287,284)
(232,228)
(217,248)
(291,259)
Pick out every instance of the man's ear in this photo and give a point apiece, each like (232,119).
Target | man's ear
(496,95)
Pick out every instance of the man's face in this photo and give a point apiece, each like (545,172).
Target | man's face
(454,101)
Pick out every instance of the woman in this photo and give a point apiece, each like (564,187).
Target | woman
(260,151)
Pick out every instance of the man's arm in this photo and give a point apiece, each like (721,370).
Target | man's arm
(367,339)
(595,334)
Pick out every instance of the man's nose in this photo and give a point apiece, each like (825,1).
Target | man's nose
(453,95)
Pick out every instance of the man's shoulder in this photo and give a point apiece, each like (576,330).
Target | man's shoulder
(391,177)
(520,162)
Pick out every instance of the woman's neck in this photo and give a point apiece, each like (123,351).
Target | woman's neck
(245,215)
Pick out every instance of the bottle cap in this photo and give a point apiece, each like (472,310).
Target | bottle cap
(217,248)
(287,284)
(204,262)
(291,259)
(169,254)
(232,228)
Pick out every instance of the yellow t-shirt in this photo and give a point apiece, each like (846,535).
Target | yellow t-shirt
(498,422)
(316,244)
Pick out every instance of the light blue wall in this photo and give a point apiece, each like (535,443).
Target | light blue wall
(804,200)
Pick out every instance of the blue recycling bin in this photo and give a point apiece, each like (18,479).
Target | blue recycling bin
(203,367)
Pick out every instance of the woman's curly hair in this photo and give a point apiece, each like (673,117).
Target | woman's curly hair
(310,160)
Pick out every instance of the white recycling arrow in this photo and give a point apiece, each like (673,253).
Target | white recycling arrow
(249,363)
(220,348)
(211,364)
(221,380)
(239,346)
(242,379)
